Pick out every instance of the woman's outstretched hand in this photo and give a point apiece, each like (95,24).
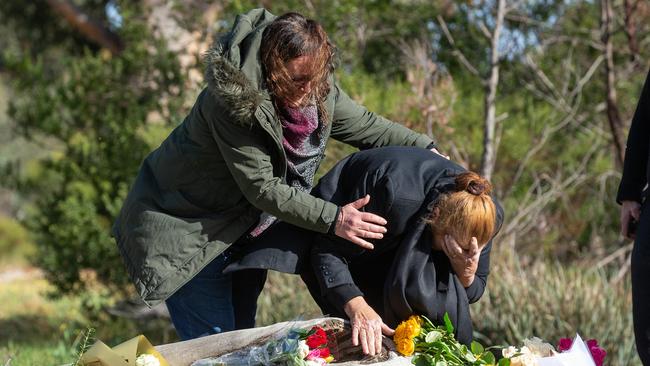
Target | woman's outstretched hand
(355,225)
(463,261)
(367,326)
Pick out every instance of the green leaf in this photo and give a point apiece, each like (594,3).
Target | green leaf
(432,336)
(504,362)
(488,357)
(422,359)
(448,325)
(477,348)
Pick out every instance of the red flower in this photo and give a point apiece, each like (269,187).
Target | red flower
(317,339)
(597,353)
(325,352)
(564,344)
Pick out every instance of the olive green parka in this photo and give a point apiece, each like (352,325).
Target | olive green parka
(208,182)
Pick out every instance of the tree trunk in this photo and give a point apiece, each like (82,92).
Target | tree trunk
(613,114)
(488,159)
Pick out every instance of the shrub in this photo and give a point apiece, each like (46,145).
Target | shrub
(551,300)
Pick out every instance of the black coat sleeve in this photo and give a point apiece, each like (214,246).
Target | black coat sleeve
(636,153)
(331,255)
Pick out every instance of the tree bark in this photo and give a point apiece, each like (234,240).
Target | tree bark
(630,7)
(488,159)
(613,114)
(90,28)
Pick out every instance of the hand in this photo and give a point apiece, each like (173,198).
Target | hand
(433,149)
(629,210)
(463,261)
(354,225)
(367,326)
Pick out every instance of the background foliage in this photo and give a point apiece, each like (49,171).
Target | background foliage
(77,117)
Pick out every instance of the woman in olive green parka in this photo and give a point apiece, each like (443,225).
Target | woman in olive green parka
(225,168)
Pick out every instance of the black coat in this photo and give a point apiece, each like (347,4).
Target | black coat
(636,173)
(403,275)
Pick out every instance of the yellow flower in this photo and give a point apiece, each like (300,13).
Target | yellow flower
(405,346)
(416,318)
(329,359)
(412,328)
(400,332)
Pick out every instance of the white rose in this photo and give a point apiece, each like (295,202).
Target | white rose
(146,359)
(303,349)
(526,358)
(509,352)
(539,347)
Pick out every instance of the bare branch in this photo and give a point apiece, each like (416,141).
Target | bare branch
(88,27)
(488,157)
(456,52)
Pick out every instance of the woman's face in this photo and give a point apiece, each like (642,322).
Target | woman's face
(299,72)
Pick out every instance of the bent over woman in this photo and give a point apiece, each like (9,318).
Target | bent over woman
(433,260)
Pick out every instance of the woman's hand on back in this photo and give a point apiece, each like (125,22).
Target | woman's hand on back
(367,326)
(355,225)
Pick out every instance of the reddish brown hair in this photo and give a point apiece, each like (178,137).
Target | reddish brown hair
(288,37)
(467,211)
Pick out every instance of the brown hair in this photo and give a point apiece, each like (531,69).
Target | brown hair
(286,38)
(467,211)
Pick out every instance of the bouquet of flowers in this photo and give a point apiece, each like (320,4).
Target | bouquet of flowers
(432,345)
(298,348)
(535,352)
(436,345)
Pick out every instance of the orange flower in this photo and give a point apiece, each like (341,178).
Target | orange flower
(416,318)
(405,346)
(412,328)
(400,331)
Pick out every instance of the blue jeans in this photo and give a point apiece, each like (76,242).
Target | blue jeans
(213,302)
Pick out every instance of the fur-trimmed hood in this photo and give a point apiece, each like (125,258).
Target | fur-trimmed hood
(233,71)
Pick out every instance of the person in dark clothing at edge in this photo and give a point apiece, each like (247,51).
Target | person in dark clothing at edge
(241,165)
(635,217)
(434,258)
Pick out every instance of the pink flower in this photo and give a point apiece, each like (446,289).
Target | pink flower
(313,354)
(564,344)
(597,353)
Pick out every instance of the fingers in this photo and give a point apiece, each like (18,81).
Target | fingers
(636,212)
(360,242)
(364,340)
(387,330)
(453,246)
(473,247)
(355,334)
(370,218)
(361,202)
(439,153)
(378,339)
